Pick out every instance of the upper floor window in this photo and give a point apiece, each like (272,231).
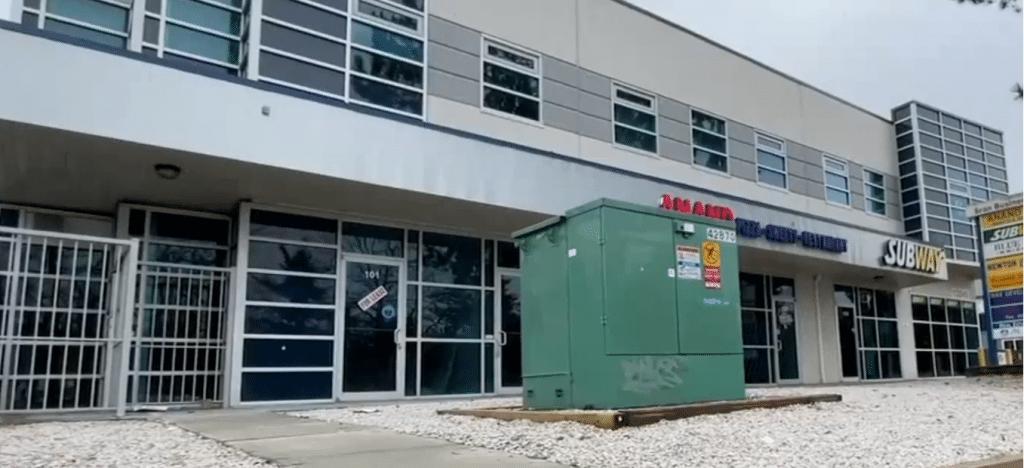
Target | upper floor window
(511,81)
(874,192)
(710,142)
(101,21)
(203,32)
(386,63)
(771,161)
(837,181)
(636,119)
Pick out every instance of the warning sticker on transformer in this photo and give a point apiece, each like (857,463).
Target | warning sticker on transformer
(687,262)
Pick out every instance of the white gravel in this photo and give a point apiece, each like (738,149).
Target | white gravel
(906,424)
(108,444)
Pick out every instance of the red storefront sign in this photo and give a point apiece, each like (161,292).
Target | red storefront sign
(698,208)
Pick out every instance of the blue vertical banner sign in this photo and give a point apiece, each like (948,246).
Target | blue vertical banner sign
(1000,244)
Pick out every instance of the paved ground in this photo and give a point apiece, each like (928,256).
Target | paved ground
(295,442)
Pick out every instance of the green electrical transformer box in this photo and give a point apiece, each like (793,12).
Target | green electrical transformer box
(629,306)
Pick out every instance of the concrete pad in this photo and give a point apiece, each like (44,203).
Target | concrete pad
(307,448)
(228,426)
(448,456)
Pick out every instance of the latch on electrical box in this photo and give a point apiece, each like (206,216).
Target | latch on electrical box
(685,228)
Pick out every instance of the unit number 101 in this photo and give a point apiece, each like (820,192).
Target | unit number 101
(722,235)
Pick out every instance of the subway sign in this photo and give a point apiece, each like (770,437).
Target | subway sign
(903,254)
(699,208)
(785,235)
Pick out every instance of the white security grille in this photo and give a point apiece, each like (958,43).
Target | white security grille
(179,345)
(62,320)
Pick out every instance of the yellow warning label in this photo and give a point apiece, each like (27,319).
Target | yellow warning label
(712,253)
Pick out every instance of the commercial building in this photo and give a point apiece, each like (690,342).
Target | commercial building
(264,201)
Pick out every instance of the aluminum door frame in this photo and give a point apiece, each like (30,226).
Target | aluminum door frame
(339,330)
(500,337)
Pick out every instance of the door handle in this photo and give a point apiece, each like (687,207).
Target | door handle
(504,338)
(396,336)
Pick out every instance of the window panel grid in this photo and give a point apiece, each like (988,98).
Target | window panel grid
(635,119)
(102,21)
(771,161)
(510,81)
(874,192)
(837,184)
(710,141)
(945,331)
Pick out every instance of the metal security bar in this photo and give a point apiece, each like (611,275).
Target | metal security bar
(63,320)
(179,335)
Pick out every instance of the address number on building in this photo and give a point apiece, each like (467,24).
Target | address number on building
(722,235)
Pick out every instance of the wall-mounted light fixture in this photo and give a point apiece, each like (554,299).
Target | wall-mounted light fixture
(167,171)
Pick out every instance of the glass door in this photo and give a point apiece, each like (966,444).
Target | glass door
(846,311)
(374,317)
(784,305)
(509,355)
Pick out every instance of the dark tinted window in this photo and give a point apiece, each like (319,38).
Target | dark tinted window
(293,227)
(372,240)
(451,259)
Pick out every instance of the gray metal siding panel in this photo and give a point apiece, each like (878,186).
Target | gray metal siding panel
(892,211)
(815,190)
(562,95)
(742,169)
(857,201)
(595,106)
(454,61)
(890,182)
(455,88)
(741,151)
(562,72)
(561,118)
(595,84)
(674,150)
(674,130)
(738,131)
(593,127)
(797,185)
(796,168)
(802,153)
(674,110)
(454,36)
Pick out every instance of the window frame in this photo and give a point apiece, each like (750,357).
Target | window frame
(694,146)
(537,73)
(867,193)
(782,153)
(826,158)
(652,111)
(42,14)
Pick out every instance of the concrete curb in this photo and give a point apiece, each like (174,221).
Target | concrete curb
(615,419)
(1002,461)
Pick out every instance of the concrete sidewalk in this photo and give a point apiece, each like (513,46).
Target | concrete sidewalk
(296,442)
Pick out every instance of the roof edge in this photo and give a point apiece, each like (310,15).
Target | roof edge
(675,25)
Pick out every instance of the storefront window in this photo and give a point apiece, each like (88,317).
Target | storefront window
(458,337)
(768,304)
(869,340)
(947,338)
(371,240)
(451,259)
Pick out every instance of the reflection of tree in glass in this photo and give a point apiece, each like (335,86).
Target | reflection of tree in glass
(451,259)
(299,289)
(511,310)
(451,313)
(362,282)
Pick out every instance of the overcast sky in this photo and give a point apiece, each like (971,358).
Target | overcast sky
(880,53)
(876,53)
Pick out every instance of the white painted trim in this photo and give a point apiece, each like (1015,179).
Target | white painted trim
(253,40)
(136,25)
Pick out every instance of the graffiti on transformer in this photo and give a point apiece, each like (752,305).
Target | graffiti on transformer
(646,374)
